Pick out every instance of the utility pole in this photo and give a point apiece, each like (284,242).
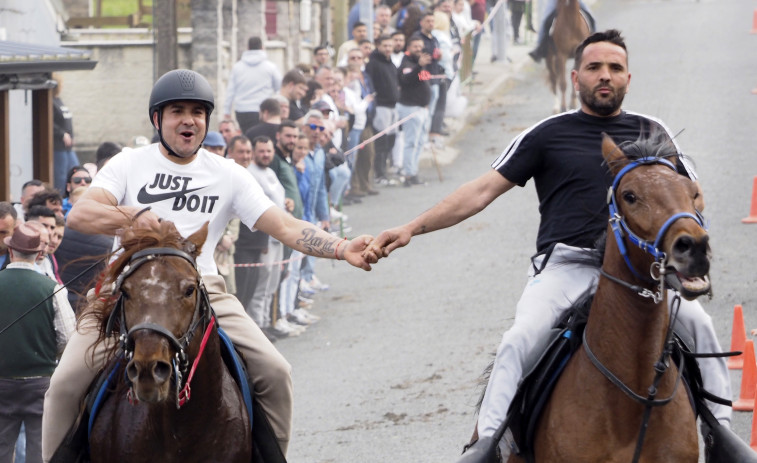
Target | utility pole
(166,41)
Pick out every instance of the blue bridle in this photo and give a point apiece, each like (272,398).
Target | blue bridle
(620,227)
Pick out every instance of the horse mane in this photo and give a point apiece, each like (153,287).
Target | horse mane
(133,240)
(653,143)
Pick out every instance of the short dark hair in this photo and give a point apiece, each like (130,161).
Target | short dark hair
(71,174)
(294,76)
(611,35)
(363,41)
(286,123)
(358,24)
(39,211)
(261,139)
(32,182)
(415,37)
(41,198)
(271,106)
(319,48)
(105,151)
(7,209)
(235,140)
(383,38)
(254,43)
(397,33)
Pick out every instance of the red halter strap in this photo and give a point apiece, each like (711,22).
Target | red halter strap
(186,391)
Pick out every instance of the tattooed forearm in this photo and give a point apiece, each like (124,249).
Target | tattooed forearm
(317,242)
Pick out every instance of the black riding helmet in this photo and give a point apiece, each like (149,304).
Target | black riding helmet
(177,85)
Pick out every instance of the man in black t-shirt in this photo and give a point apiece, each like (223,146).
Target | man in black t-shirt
(563,156)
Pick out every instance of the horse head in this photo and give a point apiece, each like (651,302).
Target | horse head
(161,306)
(655,215)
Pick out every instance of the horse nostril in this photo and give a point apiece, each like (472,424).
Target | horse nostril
(132,372)
(161,371)
(683,245)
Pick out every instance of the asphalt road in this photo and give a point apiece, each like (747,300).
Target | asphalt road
(390,372)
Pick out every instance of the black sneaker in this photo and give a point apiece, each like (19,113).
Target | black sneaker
(416,180)
(535,55)
(271,334)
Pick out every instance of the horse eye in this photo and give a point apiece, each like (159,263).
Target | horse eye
(124,294)
(629,197)
(190,290)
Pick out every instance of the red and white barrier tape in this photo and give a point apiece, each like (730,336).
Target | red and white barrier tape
(261,264)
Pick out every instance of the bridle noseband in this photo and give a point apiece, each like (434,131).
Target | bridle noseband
(203,314)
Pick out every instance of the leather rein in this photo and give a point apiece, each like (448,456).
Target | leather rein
(203,314)
(622,231)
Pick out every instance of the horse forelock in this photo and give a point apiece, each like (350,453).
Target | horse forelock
(133,240)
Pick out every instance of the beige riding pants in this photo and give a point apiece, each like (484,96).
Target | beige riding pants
(269,371)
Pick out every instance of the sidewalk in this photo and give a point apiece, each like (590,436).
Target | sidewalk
(489,79)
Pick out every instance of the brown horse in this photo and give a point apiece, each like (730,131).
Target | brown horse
(171,347)
(659,240)
(569,30)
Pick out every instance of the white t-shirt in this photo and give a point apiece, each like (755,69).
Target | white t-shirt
(210,188)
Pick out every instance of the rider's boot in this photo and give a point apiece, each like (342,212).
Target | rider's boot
(483,450)
(539,52)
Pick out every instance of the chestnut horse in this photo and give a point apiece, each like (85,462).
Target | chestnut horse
(601,409)
(568,31)
(169,339)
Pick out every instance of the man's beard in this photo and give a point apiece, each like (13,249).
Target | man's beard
(602,106)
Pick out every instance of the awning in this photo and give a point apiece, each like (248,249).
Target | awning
(27,66)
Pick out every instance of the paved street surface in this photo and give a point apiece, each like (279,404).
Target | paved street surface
(390,372)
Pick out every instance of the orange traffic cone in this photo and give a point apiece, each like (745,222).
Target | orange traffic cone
(754,23)
(753,211)
(738,338)
(748,380)
(753,440)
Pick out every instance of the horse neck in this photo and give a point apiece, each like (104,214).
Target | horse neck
(568,5)
(626,331)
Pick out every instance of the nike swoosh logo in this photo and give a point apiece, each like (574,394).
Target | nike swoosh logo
(147,198)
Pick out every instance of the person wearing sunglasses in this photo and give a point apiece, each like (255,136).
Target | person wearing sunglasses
(78,176)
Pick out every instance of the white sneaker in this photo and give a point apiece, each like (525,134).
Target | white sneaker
(285,328)
(307,317)
(306,289)
(296,326)
(316,284)
(340,230)
(336,215)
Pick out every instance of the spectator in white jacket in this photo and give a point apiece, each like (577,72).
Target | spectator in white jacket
(253,79)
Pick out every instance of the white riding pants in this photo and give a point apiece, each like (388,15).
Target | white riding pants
(544,300)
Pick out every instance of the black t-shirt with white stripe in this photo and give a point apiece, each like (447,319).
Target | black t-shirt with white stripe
(563,154)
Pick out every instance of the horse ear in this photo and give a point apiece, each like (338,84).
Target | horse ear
(613,155)
(193,244)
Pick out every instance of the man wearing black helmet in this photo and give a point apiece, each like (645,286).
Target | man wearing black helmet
(189,186)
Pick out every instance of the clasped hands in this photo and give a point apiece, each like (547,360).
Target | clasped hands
(366,250)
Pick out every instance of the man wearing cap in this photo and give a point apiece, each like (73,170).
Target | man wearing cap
(214,143)
(174,179)
(31,344)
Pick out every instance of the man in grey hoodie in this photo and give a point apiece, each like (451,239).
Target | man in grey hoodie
(253,79)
